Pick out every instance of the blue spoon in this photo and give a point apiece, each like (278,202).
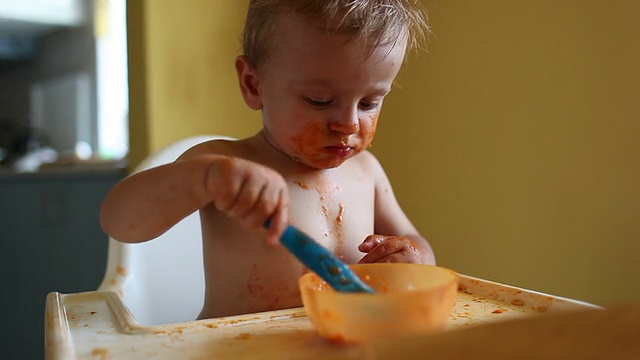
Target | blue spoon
(321,261)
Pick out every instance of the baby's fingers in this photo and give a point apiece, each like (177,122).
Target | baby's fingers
(278,219)
(249,200)
(371,242)
(383,251)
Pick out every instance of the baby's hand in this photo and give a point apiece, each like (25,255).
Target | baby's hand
(250,193)
(390,249)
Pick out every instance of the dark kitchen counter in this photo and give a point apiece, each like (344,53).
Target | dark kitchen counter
(50,240)
(68,170)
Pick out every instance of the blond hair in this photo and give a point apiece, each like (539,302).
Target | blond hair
(374,22)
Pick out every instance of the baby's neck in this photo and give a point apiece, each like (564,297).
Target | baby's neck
(282,160)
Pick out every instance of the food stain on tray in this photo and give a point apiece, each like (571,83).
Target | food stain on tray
(121,271)
(244,336)
(101,352)
(99,326)
(478,303)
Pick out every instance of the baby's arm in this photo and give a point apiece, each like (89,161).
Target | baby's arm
(395,238)
(146,204)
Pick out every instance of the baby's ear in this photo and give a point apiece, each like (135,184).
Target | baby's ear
(249,82)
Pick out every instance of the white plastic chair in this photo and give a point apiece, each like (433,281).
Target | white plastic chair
(161,281)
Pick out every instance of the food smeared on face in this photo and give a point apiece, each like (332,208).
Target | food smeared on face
(318,146)
(368,137)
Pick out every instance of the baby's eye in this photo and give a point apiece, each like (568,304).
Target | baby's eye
(317,103)
(365,105)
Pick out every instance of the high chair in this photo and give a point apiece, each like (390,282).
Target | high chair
(151,293)
(161,281)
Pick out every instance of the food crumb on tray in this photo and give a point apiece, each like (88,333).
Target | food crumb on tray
(101,352)
(244,336)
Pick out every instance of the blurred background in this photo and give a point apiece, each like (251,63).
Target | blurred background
(511,141)
(63,141)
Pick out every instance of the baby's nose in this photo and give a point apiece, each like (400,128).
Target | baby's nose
(345,122)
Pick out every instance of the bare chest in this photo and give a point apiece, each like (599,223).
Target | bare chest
(339,214)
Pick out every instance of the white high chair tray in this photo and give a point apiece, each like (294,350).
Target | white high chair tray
(96,325)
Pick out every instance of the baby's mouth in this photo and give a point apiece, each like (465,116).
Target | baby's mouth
(340,150)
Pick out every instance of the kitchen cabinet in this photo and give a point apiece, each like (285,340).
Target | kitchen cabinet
(50,240)
(23,22)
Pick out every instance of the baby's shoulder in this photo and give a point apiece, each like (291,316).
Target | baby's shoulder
(222,146)
(367,162)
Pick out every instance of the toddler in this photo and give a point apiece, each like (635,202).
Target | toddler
(318,71)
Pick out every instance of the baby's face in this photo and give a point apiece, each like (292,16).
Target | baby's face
(321,96)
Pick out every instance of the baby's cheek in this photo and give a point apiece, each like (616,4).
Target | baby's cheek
(305,141)
(368,130)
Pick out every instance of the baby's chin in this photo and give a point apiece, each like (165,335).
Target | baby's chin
(323,163)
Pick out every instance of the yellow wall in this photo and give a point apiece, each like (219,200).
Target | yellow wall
(513,144)
(182,77)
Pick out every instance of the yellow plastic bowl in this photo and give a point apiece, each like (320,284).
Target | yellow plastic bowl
(408,299)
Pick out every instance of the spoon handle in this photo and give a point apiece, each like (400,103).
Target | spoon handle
(322,261)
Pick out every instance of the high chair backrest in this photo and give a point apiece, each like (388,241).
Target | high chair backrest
(161,281)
